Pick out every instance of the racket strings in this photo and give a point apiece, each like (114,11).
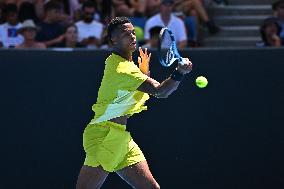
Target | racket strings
(170,56)
(167,49)
(166,45)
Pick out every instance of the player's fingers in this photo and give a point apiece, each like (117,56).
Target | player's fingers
(189,65)
(186,66)
(149,57)
(189,68)
(188,61)
(140,51)
(139,61)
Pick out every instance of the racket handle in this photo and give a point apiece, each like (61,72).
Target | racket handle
(182,61)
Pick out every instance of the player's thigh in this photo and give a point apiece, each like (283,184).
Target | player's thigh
(139,176)
(91,177)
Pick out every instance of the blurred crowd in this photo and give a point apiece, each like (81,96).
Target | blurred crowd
(272,28)
(82,23)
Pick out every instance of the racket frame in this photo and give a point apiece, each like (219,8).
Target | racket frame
(173,48)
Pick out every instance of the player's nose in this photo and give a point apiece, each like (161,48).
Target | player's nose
(133,36)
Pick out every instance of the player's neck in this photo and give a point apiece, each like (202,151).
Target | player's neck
(123,54)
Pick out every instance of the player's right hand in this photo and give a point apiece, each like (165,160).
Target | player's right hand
(186,67)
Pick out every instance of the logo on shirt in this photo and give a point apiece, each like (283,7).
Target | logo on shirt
(12,32)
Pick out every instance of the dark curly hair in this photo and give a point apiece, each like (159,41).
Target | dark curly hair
(114,24)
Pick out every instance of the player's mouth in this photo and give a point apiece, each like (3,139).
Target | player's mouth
(133,43)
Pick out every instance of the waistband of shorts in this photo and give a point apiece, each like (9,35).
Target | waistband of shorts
(110,124)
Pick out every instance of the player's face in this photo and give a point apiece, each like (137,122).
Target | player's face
(126,39)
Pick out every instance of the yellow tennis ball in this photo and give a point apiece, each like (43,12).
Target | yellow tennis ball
(201,82)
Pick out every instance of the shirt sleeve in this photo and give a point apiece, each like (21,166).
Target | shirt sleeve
(1,33)
(181,31)
(146,30)
(130,76)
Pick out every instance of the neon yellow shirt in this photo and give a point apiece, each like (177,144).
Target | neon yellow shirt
(118,93)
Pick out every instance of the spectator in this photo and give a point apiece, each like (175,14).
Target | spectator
(166,19)
(27,11)
(2,20)
(278,8)
(270,33)
(28,30)
(74,9)
(90,30)
(106,10)
(51,30)
(221,2)
(130,8)
(69,10)
(9,37)
(152,7)
(195,8)
(70,38)
(154,37)
(16,2)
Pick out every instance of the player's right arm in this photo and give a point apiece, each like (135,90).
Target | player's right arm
(159,90)
(168,86)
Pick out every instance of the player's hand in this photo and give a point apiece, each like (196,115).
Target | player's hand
(143,61)
(186,67)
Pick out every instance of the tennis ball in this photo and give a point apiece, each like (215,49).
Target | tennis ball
(201,82)
(139,33)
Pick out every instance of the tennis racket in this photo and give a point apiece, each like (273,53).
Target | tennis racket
(167,48)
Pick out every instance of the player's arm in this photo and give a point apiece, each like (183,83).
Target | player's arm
(159,90)
(167,87)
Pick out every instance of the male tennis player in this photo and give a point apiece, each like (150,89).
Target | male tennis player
(123,92)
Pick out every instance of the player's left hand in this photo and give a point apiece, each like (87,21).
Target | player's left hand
(143,61)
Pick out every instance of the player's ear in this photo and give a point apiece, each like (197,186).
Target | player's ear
(114,39)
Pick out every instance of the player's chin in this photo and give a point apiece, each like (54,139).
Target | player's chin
(132,47)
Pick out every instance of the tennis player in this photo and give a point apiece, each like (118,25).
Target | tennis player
(123,92)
